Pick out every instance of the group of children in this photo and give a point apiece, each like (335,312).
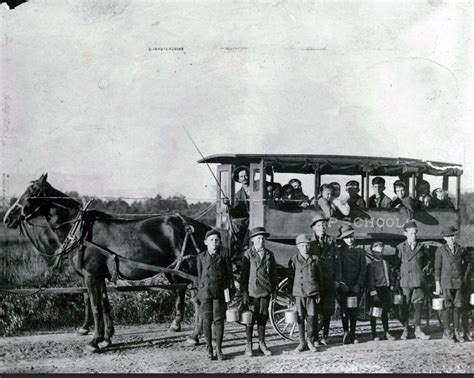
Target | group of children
(322,271)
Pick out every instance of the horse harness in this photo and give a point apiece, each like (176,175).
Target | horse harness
(80,236)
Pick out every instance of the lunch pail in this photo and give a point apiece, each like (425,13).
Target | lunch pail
(291,316)
(246,317)
(351,302)
(438,303)
(375,312)
(232,315)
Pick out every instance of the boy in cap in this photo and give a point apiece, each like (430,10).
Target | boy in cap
(413,260)
(423,196)
(380,283)
(355,200)
(452,269)
(258,282)
(304,280)
(324,247)
(352,260)
(214,276)
(379,199)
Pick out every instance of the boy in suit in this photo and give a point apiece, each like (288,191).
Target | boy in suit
(325,201)
(214,276)
(304,279)
(324,247)
(258,282)
(380,283)
(379,199)
(352,260)
(413,260)
(452,269)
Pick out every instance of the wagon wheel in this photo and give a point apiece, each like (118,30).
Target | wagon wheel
(278,306)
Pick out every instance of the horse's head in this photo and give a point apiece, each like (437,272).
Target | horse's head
(31,204)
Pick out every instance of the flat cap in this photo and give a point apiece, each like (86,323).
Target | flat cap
(302,238)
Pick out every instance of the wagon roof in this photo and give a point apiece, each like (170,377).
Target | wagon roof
(340,164)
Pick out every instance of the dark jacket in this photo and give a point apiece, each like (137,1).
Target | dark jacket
(356,201)
(384,202)
(452,270)
(304,276)
(329,261)
(258,276)
(241,207)
(352,266)
(411,264)
(406,203)
(214,274)
(379,274)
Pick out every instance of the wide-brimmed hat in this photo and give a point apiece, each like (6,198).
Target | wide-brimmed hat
(318,217)
(258,231)
(345,231)
(235,174)
(213,232)
(302,238)
(410,224)
(449,231)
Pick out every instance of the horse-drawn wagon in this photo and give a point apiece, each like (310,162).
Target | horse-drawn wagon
(98,243)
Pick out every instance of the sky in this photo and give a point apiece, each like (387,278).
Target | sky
(97,92)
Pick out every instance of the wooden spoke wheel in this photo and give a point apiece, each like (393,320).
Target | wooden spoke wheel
(278,306)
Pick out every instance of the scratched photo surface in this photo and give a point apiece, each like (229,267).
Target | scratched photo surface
(112,97)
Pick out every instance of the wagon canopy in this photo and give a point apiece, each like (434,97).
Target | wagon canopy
(340,164)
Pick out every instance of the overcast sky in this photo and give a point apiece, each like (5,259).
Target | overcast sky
(91,94)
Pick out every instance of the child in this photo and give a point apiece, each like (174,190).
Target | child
(452,269)
(352,260)
(324,248)
(355,200)
(379,199)
(325,201)
(258,282)
(304,280)
(340,203)
(402,201)
(423,196)
(441,199)
(214,276)
(380,283)
(298,193)
(412,257)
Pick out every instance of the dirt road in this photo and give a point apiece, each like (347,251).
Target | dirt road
(151,349)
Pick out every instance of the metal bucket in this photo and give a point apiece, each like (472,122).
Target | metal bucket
(398,299)
(246,317)
(232,315)
(472,299)
(438,303)
(375,312)
(291,316)
(351,302)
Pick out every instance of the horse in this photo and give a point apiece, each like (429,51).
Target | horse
(161,241)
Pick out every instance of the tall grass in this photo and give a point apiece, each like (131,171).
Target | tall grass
(21,267)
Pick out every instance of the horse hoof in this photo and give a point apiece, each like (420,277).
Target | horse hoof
(82,331)
(92,348)
(104,344)
(192,341)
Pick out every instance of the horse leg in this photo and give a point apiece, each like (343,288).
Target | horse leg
(108,319)
(193,339)
(93,285)
(179,310)
(85,328)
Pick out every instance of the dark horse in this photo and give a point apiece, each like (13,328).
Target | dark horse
(153,240)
